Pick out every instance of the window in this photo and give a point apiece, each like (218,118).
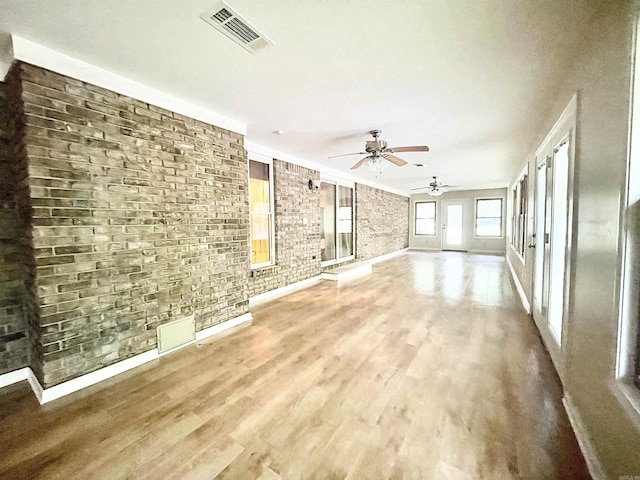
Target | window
(628,362)
(336,225)
(425,218)
(261,213)
(488,217)
(519,196)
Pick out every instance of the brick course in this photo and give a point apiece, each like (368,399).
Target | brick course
(297,243)
(382,222)
(140,216)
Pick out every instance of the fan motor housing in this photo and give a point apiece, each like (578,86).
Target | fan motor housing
(375,145)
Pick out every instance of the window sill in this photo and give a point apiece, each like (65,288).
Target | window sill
(629,396)
(518,255)
(263,270)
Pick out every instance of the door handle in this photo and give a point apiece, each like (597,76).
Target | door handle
(532,245)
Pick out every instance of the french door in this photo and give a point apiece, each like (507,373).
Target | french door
(551,239)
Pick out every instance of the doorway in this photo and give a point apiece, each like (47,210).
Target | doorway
(453,234)
(552,232)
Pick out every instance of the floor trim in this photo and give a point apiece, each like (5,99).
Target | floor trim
(15,376)
(516,280)
(278,292)
(589,453)
(387,256)
(46,395)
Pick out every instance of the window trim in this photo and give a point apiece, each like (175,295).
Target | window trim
(627,347)
(272,231)
(516,187)
(435,219)
(475,218)
(341,183)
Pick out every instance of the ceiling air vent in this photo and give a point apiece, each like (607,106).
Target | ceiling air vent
(229,22)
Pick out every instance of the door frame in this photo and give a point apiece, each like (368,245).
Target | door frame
(563,130)
(539,272)
(445,219)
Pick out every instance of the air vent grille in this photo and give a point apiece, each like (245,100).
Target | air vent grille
(228,21)
(222,15)
(238,28)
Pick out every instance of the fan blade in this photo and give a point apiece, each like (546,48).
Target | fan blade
(418,148)
(421,188)
(361,162)
(393,159)
(347,154)
(450,186)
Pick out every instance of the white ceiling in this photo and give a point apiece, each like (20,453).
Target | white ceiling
(471,79)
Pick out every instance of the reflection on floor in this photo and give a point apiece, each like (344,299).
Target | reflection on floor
(426,369)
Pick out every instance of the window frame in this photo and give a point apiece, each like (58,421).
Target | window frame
(519,212)
(627,371)
(337,182)
(435,219)
(475,218)
(272,232)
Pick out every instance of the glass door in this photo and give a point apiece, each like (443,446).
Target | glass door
(559,230)
(551,235)
(541,239)
(336,222)
(453,235)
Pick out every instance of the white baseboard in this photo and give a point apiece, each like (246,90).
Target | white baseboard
(35,386)
(221,327)
(16,376)
(46,395)
(278,292)
(71,386)
(488,252)
(516,280)
(589,453)
(387,256)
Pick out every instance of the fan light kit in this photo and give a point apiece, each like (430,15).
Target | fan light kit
(435,188)
(379,156)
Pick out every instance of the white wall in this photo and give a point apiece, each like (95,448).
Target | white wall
(467,198)
(600,72)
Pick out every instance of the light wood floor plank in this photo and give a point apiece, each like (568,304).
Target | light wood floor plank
(426,369)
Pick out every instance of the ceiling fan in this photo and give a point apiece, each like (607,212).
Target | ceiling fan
(435,188)
(377,152)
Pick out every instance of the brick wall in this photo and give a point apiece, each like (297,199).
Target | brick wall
(140,217)
(297,242)
(382,224)
(14,250)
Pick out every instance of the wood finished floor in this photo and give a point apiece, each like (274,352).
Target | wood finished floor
(426,369)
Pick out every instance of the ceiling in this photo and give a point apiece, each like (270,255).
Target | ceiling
(471,79)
